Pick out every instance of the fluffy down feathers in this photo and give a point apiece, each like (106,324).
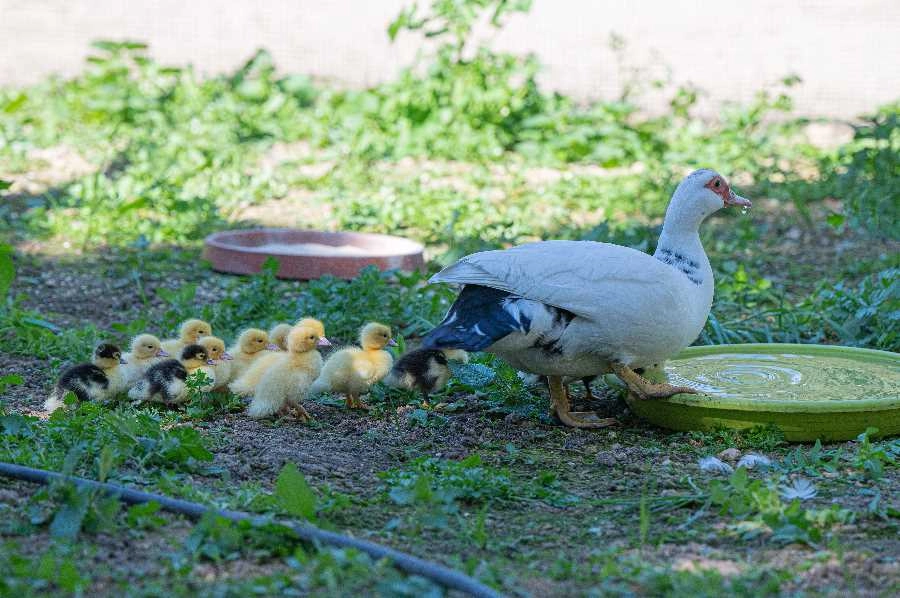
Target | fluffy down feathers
(245,385)
(251,345)
(97,381)
(190,332)
(146,350)
(425,370)
(220,369)
(164,382)
(287,380)
(352,371)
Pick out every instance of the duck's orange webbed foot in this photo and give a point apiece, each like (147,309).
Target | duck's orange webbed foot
(645,389)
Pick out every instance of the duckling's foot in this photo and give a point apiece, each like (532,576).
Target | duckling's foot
(300,413)
(645,389)
(573,419)
(354,402)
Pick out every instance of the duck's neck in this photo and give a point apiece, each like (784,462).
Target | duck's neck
(681,248)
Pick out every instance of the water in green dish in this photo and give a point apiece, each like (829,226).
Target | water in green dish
(786,377)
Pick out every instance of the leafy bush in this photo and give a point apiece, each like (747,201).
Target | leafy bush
(869,167)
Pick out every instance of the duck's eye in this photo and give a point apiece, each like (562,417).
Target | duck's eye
(717,184)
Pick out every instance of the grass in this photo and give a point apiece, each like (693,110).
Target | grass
(463,151)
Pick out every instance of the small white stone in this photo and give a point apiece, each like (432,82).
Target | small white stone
(714,465)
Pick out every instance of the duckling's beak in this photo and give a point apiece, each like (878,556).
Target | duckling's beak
(736,200)
(323,342)
(392,343)
(272,347)
(122,361)
(162,353)
(227,356)
(210,362)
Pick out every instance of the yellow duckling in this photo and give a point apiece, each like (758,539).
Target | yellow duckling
(219,361)
(352,371)
(245,385)
(286,382)
(146,350)
(318,327)
(278,336)
(165,383)
(99,380)
(250,345)
(190,332)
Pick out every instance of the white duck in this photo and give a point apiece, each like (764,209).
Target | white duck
(580,308)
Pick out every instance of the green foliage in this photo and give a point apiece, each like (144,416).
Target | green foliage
(204,404)
(872,457)
(759,508)
(294,493)
(759,438)
(866,314)
(869,179)
(92,441)
(53,572)
(397,299)
(216,538)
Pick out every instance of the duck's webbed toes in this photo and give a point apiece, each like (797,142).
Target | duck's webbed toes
(574,419)
(645,389)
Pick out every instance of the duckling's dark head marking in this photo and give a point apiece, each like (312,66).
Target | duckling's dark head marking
(107,351)
(193,352)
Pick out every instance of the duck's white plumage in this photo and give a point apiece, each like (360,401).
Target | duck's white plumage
(570,308)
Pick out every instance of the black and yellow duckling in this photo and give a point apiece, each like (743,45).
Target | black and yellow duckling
(165,382)
(99,380)
(425,370)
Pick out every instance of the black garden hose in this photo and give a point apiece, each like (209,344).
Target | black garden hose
(415,566)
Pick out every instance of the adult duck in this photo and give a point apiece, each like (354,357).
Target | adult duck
(580,308)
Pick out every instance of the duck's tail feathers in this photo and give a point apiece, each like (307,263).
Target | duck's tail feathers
(478,318)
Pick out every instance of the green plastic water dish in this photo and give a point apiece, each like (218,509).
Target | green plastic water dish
(808,391)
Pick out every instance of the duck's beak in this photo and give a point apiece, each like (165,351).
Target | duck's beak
(227,356)
(736,200)
(272,347)
(323,342)
(162,353)
(392,343)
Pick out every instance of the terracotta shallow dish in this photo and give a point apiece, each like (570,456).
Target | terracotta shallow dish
(309,254)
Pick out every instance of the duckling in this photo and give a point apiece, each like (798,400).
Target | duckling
(245,386)
(353,371)
(99,380)
(425,370)
(219,363)
(146,350)
(287,381)
(278,336)
(318,327)
(190,332)
(164,382)
(250,345)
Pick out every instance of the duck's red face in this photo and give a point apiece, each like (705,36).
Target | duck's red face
(718,186)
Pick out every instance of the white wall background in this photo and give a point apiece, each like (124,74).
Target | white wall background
(846,51)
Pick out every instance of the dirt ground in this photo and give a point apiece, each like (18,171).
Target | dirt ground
(537,548)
